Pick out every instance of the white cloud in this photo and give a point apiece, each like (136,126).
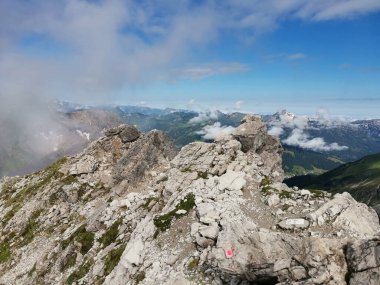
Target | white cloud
(285,57)
(211,132)
(204,116)
(213,69)
(299,138)
(296,56)
(276,131)
(108,46)
(239,104)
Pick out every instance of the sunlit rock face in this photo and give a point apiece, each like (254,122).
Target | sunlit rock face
(131,209)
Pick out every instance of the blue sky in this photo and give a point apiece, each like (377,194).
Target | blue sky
(257,56)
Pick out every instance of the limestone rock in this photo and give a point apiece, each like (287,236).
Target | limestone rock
(125,132)
(290,224)
(364,261)
(130,209)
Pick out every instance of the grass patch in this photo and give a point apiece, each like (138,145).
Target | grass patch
(202,174)
(53,198)
(163,222)
(267,190)
(80,272)
(113,259)
(69,262)
(317,193)
(49,174)
(186,169)
(266,181)
(285,195)
(111,234)
(69,179)
(285,207)
(148,201)
(29,231)
(193,264)
(139,277)
(5,252)
(10,214)
(85,238)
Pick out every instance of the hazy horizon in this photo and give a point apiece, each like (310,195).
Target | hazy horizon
(252,56)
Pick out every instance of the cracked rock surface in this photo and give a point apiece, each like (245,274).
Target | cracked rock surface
(131,210)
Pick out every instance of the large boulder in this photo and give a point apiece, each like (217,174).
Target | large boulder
(363,258)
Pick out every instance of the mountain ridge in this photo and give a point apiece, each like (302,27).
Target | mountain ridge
(131,209)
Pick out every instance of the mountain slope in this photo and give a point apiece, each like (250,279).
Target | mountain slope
(298,161)
(67,134)
(360,178)
(131,210)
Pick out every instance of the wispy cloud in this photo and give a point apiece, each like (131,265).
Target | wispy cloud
(102,47)
(361,69)
(239,104)
(285,57)
(296,56)
(213,69)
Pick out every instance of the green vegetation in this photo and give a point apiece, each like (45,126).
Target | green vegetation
(297,161)
(49,174)
(80,272)
(29,231)
(5,252)
(85,238)
(30,273)
(360,178)
(193,264)
(186,169)
(289,152)
(163,222)
(10,214)
(69,262)
(285,207)
(111,234)
(139,277)
(267,190)
(148,201)
(317,193)
(202,174)
(285,195)
(69,179)
(265,181)
(113,259)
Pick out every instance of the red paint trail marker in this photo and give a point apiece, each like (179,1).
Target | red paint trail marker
(229,253)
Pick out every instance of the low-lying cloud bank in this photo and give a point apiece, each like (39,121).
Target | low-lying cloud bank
(204,116)
(299,138)
(212,132)
(299,126)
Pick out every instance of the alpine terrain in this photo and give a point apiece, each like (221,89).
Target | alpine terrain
(131,209)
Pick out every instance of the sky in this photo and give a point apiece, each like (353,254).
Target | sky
(234,55)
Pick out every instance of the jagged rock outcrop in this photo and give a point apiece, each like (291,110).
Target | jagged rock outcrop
(129,210)
(363,259)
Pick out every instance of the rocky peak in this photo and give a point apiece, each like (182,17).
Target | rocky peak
(131,210)
(125,132)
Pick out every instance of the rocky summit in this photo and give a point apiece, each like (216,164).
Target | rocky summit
(131,209)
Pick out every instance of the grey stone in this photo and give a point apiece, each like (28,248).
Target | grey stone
(297,223)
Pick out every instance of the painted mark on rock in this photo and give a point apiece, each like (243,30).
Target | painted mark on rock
(229,253)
